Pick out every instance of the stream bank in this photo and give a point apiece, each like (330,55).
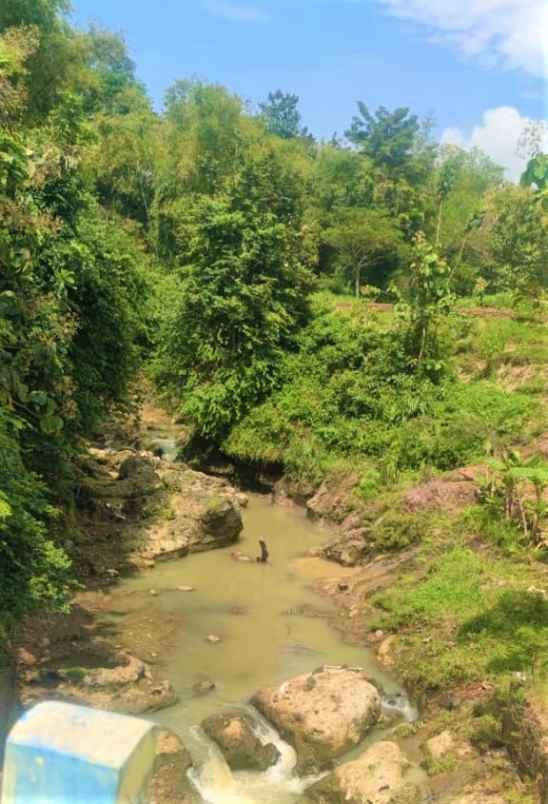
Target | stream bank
(121,648)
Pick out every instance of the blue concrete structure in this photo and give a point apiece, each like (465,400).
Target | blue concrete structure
(58,753)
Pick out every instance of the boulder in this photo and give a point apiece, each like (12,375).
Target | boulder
(128,688)
(330,501)
(221,523)
(138,467)
(378,776)
(169,782)
(205,515)
(322,714)
(234,734)
(349,550)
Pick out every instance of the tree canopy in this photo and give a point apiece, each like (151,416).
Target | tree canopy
(188,242)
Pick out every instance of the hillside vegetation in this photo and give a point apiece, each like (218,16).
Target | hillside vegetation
(369,310)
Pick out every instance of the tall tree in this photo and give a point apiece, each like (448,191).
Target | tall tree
(242,294)
(366,239)
(281,114)
(388,138)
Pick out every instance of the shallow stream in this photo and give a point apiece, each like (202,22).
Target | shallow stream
(271,625)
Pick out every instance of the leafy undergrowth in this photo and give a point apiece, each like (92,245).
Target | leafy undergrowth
(346,404)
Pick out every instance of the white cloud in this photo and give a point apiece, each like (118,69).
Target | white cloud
(236,12)
(511,33)
(497,135)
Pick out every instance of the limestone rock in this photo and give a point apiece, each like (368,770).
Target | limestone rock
(205,516)
(322,714)
(128,673)
(384,652)
(378,776)
(139,467)
(349,550)
(331,501)
(440,745)
(169,782)
(233,732)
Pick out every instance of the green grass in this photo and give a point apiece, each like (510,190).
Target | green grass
(469,618)
(345,400)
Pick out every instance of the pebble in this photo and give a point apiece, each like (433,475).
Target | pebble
(213,638)
(186,589)
(203,687)
(153,593)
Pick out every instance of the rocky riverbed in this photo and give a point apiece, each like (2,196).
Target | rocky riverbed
(139,509)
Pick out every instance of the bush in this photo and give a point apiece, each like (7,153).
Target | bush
(348,394)
(35,572)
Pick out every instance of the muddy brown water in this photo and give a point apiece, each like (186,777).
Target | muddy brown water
(271,625)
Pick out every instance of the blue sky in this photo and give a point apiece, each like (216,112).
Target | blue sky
(477,65)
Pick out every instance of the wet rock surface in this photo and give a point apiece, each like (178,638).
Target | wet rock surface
(378,776)
(322,714)
(169,784)
(234,733)
(128,686)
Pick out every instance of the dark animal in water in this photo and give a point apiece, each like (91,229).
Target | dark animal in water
(263,558)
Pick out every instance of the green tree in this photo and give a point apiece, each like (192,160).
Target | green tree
(123,162)
(423,312)
(281,115)
(365,240)
(71,288)
(241,299)
(388,138)
(517,242)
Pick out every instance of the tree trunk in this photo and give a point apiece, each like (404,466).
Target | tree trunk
(438,228)
(357,280)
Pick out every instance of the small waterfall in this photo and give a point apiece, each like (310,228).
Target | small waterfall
(217,784)
(399,703)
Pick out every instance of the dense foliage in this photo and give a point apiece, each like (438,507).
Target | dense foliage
(70,279)
(194,239)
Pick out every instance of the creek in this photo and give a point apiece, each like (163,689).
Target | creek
(271,625)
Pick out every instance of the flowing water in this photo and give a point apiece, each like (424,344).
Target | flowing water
(271,625)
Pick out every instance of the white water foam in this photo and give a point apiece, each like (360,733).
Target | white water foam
(401,704)
(217,784)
